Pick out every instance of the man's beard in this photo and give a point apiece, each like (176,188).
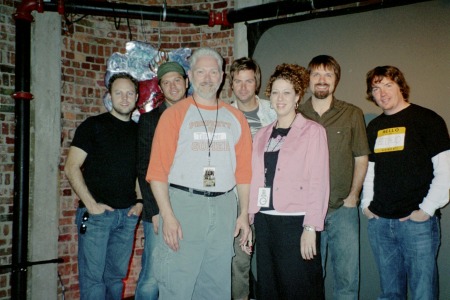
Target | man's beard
(207,91)
(322,94)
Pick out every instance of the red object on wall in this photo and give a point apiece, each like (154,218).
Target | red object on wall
(150,95)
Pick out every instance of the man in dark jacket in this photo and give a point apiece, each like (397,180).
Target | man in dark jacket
(173,83)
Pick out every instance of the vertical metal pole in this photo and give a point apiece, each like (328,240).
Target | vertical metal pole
(22,98)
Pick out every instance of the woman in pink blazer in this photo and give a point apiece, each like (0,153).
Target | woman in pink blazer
(289,193)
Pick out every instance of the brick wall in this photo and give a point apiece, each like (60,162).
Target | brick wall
(7,45)
(87,44)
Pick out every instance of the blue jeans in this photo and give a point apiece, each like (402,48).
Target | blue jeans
(405,253)
(147,286)
(104,252)
(341,239)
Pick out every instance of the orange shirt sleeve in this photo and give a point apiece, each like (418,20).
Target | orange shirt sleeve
(165,142)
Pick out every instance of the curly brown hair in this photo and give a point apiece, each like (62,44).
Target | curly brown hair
(297,75)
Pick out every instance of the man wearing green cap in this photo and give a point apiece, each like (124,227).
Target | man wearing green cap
(173,82)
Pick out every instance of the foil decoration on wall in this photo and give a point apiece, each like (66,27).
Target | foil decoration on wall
(141,61)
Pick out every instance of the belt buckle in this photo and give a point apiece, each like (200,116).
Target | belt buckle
(207,194)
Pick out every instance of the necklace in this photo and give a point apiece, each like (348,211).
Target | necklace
(274,147)
(206,128)
(276,125)
(281,139)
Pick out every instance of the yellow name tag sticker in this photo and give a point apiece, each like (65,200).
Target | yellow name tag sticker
(390,140)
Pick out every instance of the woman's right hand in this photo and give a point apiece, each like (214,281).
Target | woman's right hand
(308,244)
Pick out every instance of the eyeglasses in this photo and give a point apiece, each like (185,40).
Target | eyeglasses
(83,226)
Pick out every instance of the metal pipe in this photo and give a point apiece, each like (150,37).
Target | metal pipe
(25,8)
(119,10)
(22,99)
(290,7)
(280,8)
(124,10)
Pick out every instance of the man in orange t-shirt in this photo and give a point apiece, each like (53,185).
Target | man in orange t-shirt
(201,151)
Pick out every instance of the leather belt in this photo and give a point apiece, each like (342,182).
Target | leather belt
(198,192)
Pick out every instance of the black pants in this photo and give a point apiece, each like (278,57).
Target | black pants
(282,272)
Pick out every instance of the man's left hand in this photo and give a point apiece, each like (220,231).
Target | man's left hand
(135,210)
(351,201)
(417,216)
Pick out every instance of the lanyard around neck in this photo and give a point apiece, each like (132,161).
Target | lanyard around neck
(206,128)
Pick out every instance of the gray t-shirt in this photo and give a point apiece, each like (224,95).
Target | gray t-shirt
(253,120)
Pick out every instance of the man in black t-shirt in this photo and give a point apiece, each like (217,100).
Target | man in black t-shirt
(407,182)
(101,167)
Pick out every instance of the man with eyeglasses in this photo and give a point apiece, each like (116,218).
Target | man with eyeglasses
(101,168)
(201,151)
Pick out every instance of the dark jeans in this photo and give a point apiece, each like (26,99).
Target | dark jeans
(282,273)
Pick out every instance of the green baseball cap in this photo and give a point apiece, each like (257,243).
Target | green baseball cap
(170,66)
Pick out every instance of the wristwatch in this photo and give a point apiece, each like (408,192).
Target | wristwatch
(309,228)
